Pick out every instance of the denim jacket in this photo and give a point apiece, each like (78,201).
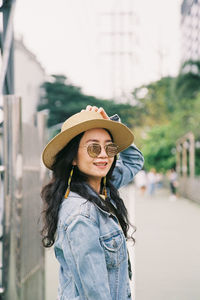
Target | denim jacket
(90,245)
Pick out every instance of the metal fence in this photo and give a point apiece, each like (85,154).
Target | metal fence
(189,184)
(23,255)
(190,188)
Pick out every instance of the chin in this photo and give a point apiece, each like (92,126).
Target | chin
(99,174)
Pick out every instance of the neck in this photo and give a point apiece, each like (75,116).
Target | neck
(95,183)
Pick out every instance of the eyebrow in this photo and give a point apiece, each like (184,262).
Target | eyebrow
(94,140)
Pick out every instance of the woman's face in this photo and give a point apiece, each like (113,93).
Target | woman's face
(97,167)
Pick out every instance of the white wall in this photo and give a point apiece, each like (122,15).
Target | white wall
(28,76)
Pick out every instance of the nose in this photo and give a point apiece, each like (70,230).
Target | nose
(103,152)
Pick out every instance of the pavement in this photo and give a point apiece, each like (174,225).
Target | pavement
(166,256)
(167,249)
(51,275)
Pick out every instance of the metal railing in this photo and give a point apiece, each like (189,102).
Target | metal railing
(189,184)
(23,255)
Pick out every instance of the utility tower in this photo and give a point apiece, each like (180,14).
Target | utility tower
(119,43)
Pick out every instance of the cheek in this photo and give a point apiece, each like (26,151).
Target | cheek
(79,158)
(82,160)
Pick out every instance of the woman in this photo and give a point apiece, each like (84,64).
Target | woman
(83,208)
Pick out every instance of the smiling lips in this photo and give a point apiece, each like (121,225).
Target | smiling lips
(101,164)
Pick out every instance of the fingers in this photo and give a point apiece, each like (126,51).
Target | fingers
(91,108)
(96,109)
(103,113)
(88,108)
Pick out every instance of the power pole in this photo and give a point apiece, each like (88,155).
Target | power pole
(122,49)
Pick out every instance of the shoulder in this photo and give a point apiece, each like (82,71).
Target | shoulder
(75,206)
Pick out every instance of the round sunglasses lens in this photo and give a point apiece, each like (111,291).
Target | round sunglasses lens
(111,150)
(94,150)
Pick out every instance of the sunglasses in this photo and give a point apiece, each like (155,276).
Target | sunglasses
(94,150)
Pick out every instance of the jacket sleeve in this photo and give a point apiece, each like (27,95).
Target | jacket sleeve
(129,163)
(81,247)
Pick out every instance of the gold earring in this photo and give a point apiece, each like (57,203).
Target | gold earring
(69,182)
(104,187)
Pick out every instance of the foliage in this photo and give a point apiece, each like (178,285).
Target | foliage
(62,99)
(158,149)
(170,107)
(155,101)
(187,84)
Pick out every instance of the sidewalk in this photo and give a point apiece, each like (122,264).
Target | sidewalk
(167,248)
(51,274)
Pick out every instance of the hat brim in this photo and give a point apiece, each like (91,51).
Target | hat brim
(121,134)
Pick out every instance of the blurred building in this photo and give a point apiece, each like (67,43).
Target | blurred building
(28,77)
(190,27)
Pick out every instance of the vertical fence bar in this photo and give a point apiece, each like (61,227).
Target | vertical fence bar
(192,155)
(12,196)
(178,160)
(23,255)
(184,161)
(1,210)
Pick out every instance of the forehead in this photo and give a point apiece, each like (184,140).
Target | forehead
(96,133)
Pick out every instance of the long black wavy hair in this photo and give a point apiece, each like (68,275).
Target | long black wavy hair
(53,193)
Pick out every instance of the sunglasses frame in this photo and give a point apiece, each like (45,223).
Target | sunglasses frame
(100,149)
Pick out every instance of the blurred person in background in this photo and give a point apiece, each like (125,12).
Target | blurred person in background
(173,182)
(159,180)
(84,215)
(151,177)
(141,181)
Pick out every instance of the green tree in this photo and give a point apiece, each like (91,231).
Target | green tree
(155,102)
(187,84)
(168,109)
(62,99)
(158,149)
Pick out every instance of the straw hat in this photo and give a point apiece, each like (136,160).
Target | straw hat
(81,122)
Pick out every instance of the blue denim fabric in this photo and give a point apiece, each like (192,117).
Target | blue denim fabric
(90,245)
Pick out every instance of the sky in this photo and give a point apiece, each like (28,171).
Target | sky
(66,37)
